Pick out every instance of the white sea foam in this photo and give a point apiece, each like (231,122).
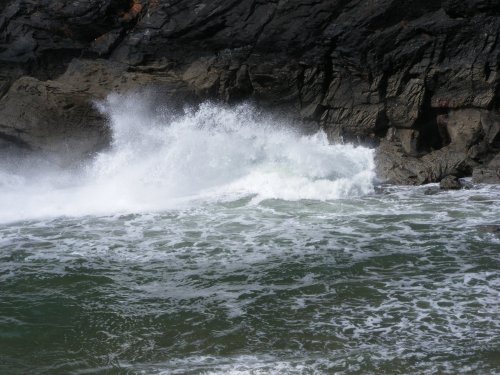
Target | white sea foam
(213,152)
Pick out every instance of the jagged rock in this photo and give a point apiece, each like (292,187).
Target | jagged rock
(404,105)
(418,79)
(51,118)
(60,117)
(489,174)
(409,139)
(463,127)
(104,44)
(395,166)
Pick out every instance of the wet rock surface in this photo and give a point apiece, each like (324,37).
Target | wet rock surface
(450,183)
(490,173)
(50,117)
(416,79)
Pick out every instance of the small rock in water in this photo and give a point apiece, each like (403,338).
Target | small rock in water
(381,189)
(466,184)
(450,183)
(493,229)
(431,191)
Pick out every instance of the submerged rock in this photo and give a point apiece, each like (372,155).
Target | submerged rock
(492,229)
(419,80)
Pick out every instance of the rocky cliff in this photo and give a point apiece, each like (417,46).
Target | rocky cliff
(418,79)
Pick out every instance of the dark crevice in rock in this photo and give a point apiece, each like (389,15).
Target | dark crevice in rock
(251,10)
(328,71)
(52,63)
(461,8)
(382,86)
(381,125)
(432,135)
(495,143)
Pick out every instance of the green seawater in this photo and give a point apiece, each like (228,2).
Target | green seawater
(395,282)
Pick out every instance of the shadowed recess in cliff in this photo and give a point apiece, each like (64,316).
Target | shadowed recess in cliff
(158,160)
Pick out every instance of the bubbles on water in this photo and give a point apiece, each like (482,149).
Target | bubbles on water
(372,284)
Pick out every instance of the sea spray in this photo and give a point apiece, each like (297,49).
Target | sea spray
(158,160)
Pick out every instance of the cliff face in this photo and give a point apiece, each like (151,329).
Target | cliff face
(419,79)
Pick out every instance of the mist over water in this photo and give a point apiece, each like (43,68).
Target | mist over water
(158,161)
(222,241)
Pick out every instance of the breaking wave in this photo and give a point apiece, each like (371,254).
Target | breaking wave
(158,160)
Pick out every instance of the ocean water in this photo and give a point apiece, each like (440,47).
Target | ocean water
(222,241)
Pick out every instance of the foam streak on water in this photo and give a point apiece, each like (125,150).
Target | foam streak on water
(218,242)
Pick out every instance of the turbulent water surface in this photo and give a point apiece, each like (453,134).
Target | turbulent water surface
(221,242)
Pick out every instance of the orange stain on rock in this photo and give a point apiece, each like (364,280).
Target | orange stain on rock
(133,11)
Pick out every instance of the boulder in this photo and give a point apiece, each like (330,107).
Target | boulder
(488,174)
(450,183)
(52,118)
